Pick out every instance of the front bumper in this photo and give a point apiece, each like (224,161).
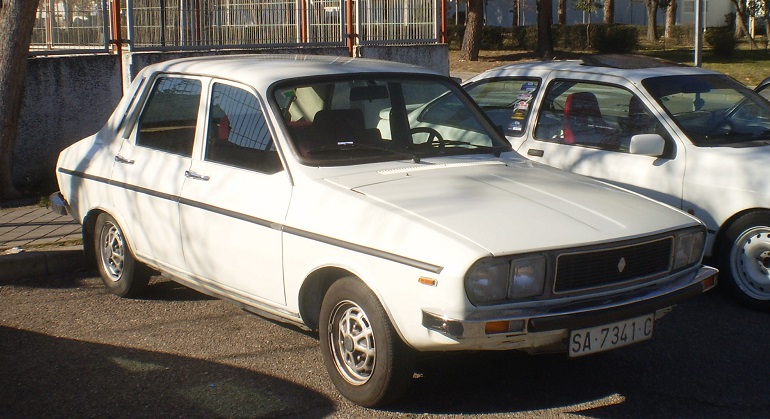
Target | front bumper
(490,331)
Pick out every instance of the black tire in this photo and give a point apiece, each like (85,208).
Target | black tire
(743,257)
(121,273)
(366,359)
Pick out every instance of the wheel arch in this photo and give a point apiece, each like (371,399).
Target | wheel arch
(89,230)
(728,223)
(313,290)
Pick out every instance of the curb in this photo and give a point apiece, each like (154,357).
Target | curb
(41,263)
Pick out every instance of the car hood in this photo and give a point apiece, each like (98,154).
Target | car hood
(501,205)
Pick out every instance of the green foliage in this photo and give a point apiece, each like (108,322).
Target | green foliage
(492,37)
(721,40)
(615,39)
(588,6)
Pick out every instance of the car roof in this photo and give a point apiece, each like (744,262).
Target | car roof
(265,69)
(632,67)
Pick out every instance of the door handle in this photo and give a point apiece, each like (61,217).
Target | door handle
(121,159)
(535,152)
(193,175)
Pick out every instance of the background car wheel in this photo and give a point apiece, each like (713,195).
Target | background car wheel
(365,358)
(122,274)
(744,259)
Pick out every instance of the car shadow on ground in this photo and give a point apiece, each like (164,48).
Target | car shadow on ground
(47,376)
(707,359)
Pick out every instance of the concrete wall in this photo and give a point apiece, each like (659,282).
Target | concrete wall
(70,97)
(66,98)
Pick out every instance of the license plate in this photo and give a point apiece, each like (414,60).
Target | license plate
(610,336)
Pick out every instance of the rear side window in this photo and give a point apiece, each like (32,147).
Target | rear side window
(507,102)
(238,134)
(169,118)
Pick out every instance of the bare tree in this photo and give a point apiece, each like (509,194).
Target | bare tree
(652,19)
(17,18)
(609,12)
(515,10)
(544,47)
(741,27)
(561,13)
(474,23)
(670,6)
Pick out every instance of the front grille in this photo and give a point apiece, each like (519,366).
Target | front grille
(606,267)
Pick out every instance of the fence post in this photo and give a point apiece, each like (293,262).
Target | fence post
(351,35)
(116,37)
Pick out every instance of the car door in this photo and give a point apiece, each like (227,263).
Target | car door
(149,169)
(763,88)
(586,127)
(235,198)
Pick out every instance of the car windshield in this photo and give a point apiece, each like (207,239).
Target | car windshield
(713,110)
(358,120)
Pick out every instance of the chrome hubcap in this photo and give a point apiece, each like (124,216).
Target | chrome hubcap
(112,250)
(751,262)
(352,343)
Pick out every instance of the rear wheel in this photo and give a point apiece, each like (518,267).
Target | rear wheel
(744,259)
(121,273)
(365,358)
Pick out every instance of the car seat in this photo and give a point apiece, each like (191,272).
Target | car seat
(581,116)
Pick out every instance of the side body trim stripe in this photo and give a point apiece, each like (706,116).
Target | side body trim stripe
(265,223)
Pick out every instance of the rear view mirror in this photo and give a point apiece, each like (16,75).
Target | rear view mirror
(647,145)
(368,93)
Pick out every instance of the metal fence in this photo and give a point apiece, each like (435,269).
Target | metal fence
(69,25)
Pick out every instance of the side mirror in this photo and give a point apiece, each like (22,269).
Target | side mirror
(647,145)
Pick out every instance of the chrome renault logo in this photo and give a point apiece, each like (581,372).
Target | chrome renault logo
(622,265)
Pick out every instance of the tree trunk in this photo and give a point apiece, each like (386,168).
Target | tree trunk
(652,20)
(17,18)
(515,10)
(740,10)
(609,12)
(561,13)
(670,18)
(474,19)
(544,48)
(740,23)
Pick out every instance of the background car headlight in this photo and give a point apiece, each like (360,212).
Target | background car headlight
(689,248)
(499,281)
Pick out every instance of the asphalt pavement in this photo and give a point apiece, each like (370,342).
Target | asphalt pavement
(35,242)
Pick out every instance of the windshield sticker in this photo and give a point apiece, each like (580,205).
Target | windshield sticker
(515,126)
(529,86)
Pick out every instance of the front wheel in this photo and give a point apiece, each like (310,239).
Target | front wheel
(121,273)
(365,358)
(744,259)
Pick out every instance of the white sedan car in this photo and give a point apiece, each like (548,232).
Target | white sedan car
(307,189)
(695,139)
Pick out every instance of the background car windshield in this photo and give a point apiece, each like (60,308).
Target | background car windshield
(353,121)
(713,110)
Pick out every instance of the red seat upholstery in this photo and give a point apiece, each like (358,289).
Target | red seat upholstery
(581,116)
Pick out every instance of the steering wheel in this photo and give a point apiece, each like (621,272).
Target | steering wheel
(433,136)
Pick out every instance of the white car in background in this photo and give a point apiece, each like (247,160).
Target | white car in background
(303,189)
(692,138)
